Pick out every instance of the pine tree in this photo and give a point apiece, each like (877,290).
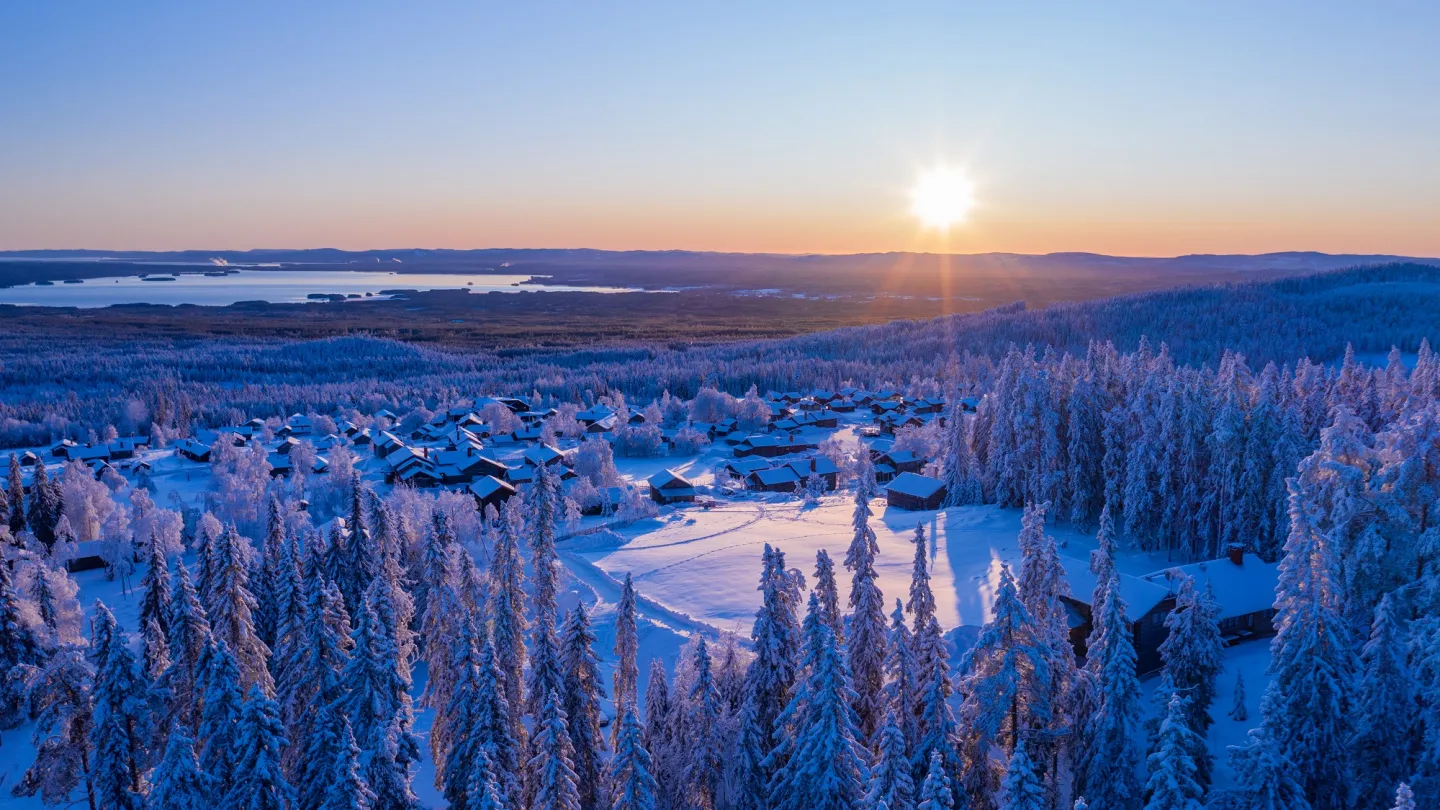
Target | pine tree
(627,647)
(550,772)
(1307,707)
(373,689)
(258,783)
(348,790)
(121,721)
(1110,756)
(936,792)
(363,561)
(60,698)
(1023,788)
(156,653)
(178,782)
(903,689)
(19,647)
(868,644)
(313,676)
(507,612)
(189,636)
(656,735)
(1265,777)
(1192,653)
(391,764)
(267,581)
(155,606)
(220,716)
(631,776)
(1174,776)
(314,771)
(15,496)
(233,618)
(583,693)
(821,762)
(45,506)
(1238,712)
(921,605)
(705,765)
(936,722)
(1404,799)
(891,782)
(484,792)
(1385,713)
(829,593)
(769,682)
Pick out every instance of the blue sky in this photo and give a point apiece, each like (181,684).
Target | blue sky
(1138,128)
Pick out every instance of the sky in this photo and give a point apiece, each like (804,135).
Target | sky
(1142,129)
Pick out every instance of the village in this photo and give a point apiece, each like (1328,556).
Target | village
(719,490)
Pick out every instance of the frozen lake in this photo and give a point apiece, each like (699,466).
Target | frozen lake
(275,286)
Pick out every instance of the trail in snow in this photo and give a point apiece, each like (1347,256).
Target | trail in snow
(607,590)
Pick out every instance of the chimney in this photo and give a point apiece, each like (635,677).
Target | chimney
(1236,552)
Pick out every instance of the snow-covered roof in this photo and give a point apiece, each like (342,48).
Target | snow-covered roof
(1239,589)
(488,486)
(914,484)
(669,479)
(1140,595)
(776,475)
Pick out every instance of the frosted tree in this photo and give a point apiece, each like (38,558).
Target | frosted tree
(177,782)
(1174,776)
(1404,798)
(1110,755)
(583,693)
(155,604)
(374,689)
(891,782)
(258,783)
(824,764)
(220,716)
(121,719)
(19,647)
(312,676)
(627,646)
(829,594)
(1238,712)
(189,636)
(1041,585)
(550,773)
(921,604)
(1192,653)
(656,733)
(484,792)
(962,473)
(545,674)
(864,474)
(1385,712)
(631,771)
(1265,777)
(15,495)
(59,696)
(313,774)
(1307,707)
(348,789)
(1005,690)
(902,689)
(507,613)
(868,644)
(232,618)
(936,792)
(363,560)
(704,765)
(770,680)
(266,577)
(1023,788)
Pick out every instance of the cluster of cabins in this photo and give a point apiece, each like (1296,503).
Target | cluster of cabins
(117,454)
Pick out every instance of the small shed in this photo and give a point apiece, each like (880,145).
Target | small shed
(914,491)
(490,491)
(668,486)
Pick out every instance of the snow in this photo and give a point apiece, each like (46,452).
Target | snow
(919,486)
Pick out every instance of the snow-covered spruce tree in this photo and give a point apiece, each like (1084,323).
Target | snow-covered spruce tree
(545,674)
(59,696)
(220,716)
(823,763)
(631,774)
(1192,653)
(314,771)
(1023,789)
(177,783)
(121,730)
(266,577)
(921,604)
(348,789)
(865,486)
(1109,750)
(455,771)
(1404,798)
(891,781)
(1385,713)
(155,604)
(1006,689)
(232,618)
(550,774)
(1264,778)
(867,643)
(507,614)
(705,761)
(829,593)
(937,792)
(313,679)
(1307,707)
(363,560)
(902,690)
(1174,782)
(937,727)
(769,682)
(583,693)
(189,636)
(15,496)
(374,691)
(1041,585)
(627,648)
(962,473)
(19,647)
(258,783)
(1238,711)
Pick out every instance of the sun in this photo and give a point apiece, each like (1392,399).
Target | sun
(942,197)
